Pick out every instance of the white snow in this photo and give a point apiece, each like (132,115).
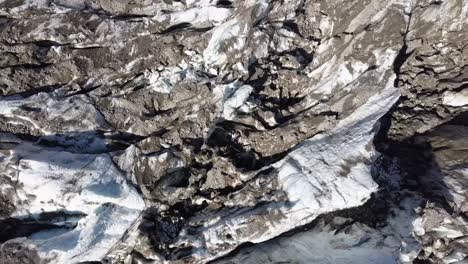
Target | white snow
(164,81)
(74,113)
(88,184)
(336,73)
(201,17)
(313,175)
(229,39)
(235,101)
(332,76)
(456,99)
(91,239)
(232,32)
(356,243)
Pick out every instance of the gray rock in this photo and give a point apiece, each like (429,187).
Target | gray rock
(178,131)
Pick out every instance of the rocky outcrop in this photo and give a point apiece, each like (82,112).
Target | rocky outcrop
(184,131)
(432,67)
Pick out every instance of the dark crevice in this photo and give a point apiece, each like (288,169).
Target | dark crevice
(400,59)
(184,27)
(292,26)
(13,228)
(129,16)
(85,90)
(224,3)
(222,140)
(402,55)
(176,28)
(162,228)
(27,66)
(48,43)
(38,89)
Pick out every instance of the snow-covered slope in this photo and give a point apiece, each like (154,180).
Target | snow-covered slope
(86,202)
(340,240)
(183,131)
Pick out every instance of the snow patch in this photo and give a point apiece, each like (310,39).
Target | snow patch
(229,39)
(235,101)
(200,17)
(456,99)
(68,183)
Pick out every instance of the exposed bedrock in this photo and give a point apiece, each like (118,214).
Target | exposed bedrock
(233,131)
